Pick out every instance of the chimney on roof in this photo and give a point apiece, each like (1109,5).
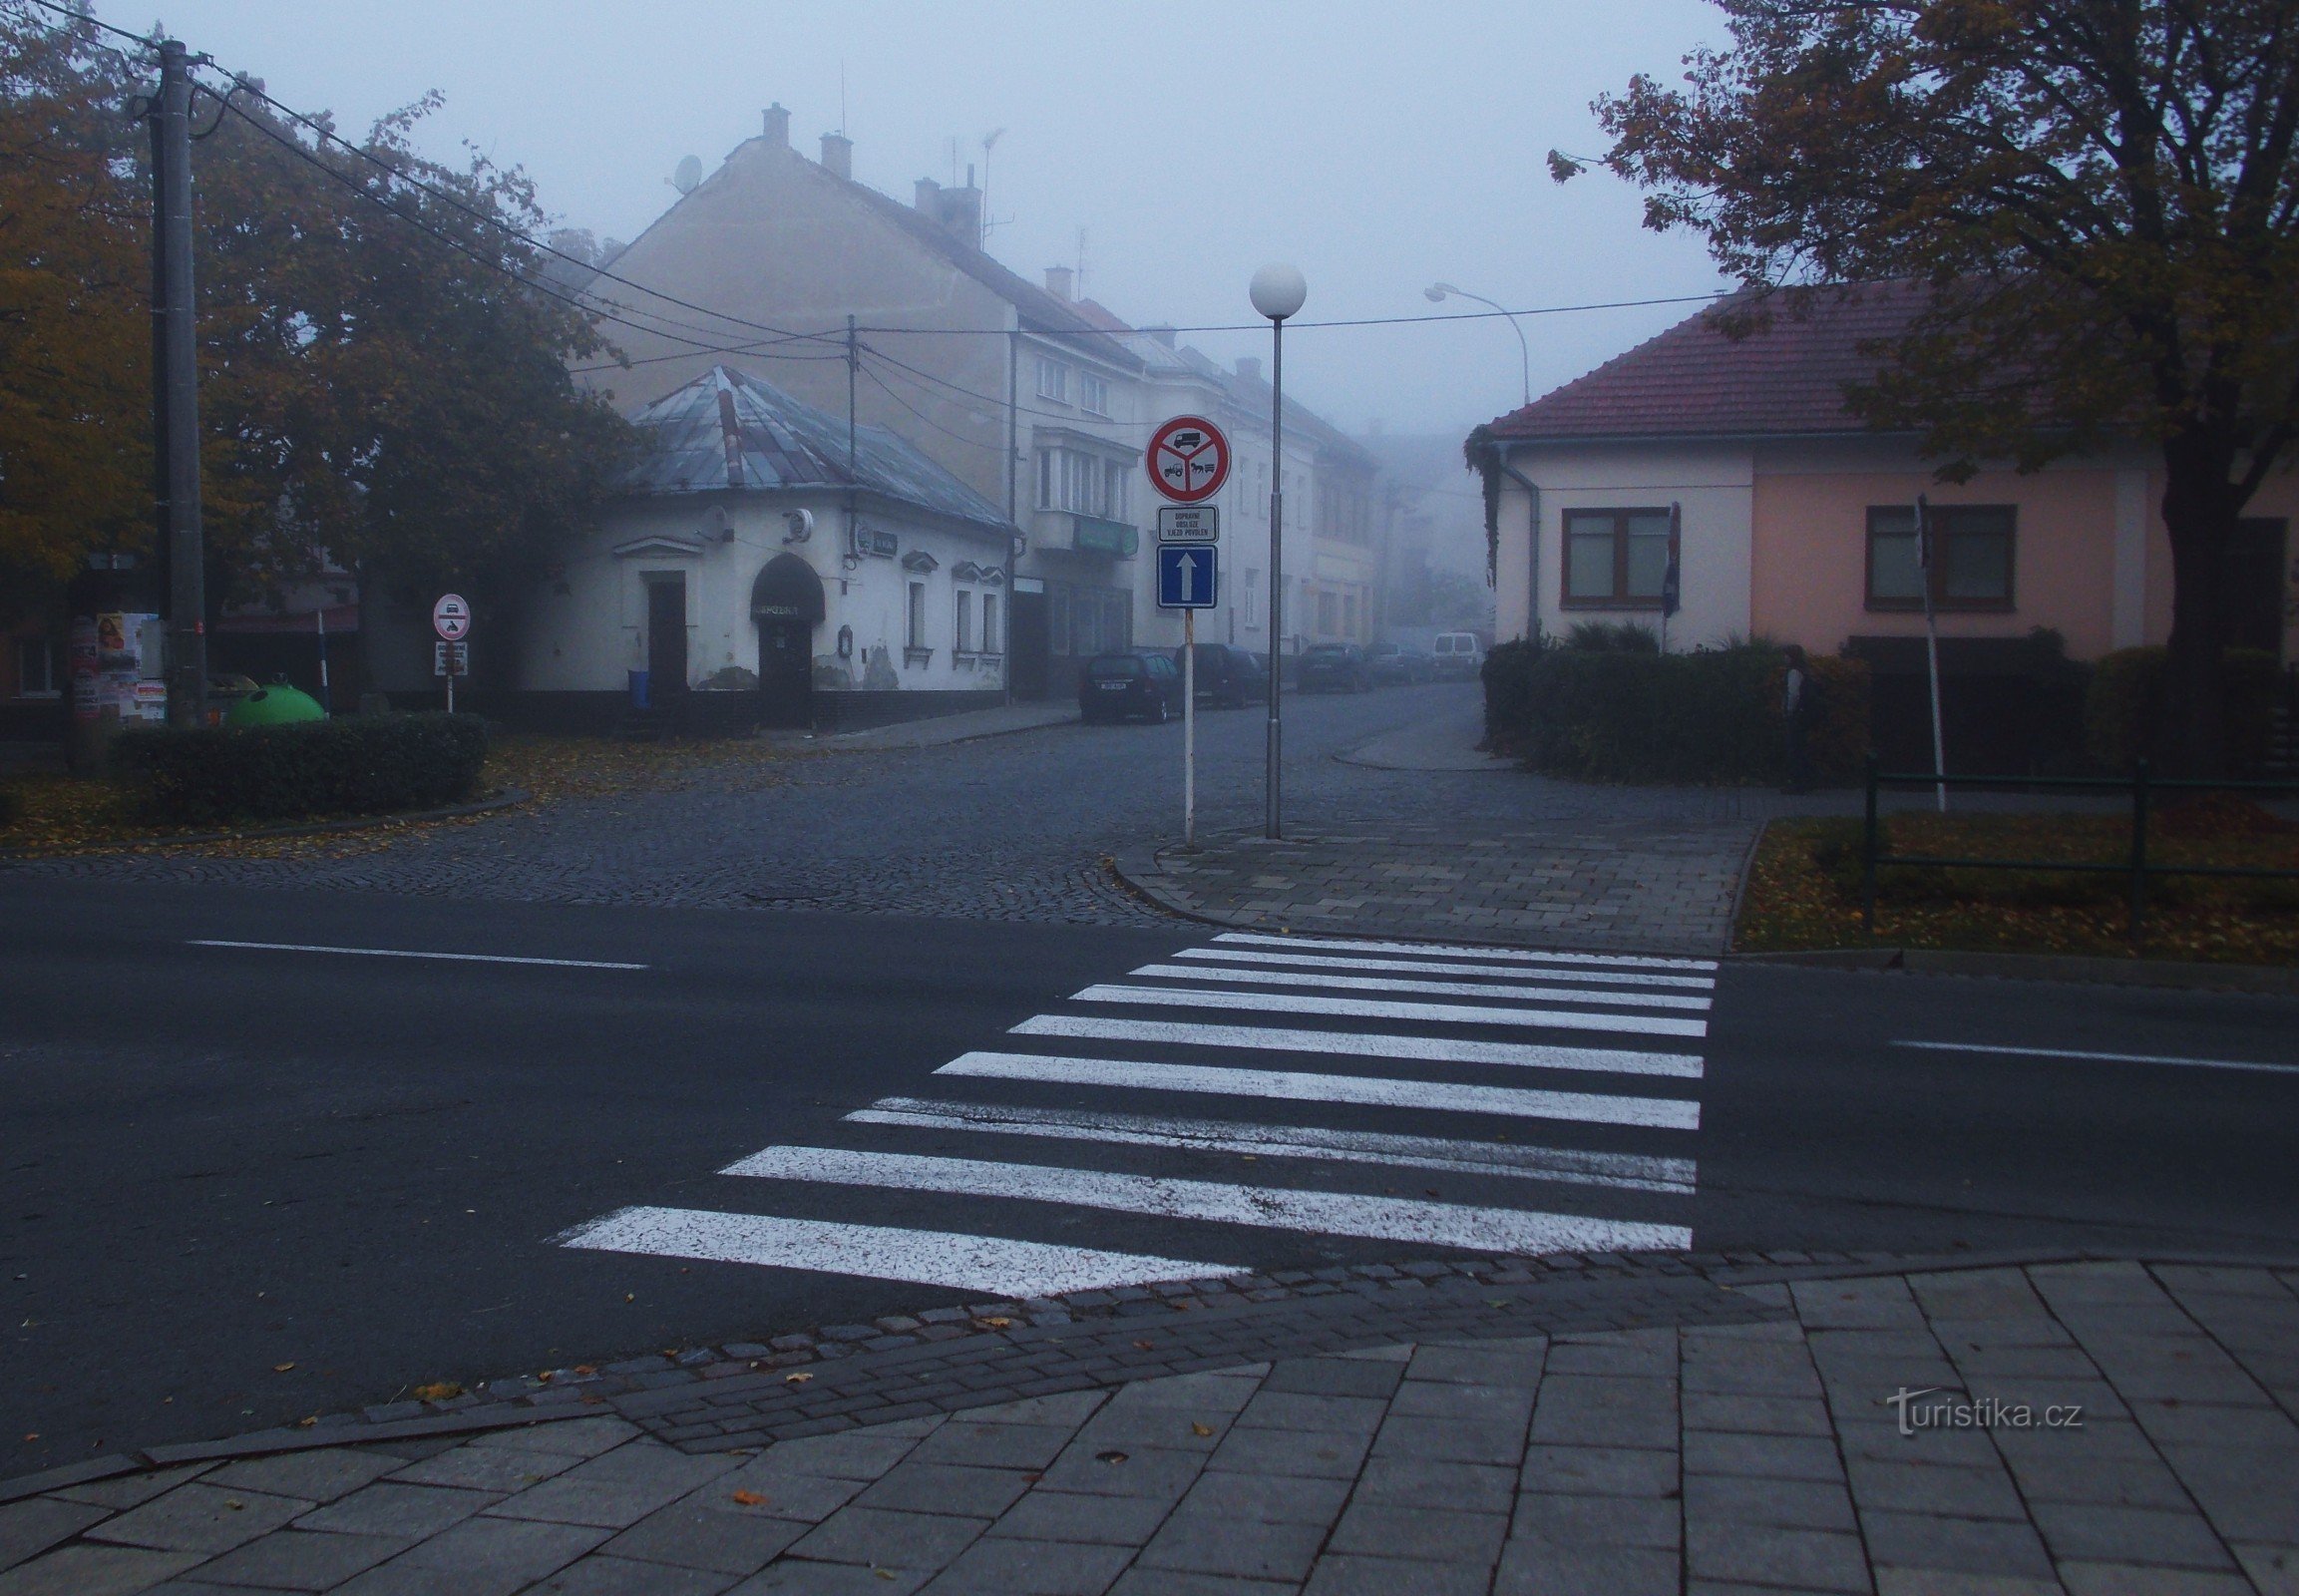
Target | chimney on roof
(1250,367)
(1162,333)
(959,210)
(838,155)
(929,199)
(778,126)
(1060,281)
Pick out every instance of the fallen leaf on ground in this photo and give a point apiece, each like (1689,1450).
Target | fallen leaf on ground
(1196,1428)
(994,1323)
(796,1379)
(438,1390)
(1145,1346)
(749,1498)
(1109,1457)
(281,1368)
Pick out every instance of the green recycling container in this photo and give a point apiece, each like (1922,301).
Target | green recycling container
(276,706)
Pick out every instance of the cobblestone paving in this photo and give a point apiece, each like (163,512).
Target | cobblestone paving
(2107,1427)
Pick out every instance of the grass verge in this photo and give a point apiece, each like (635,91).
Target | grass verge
(1803,888)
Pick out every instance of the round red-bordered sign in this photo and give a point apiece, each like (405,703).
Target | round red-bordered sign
(1188,460)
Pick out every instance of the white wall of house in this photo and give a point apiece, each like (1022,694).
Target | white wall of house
(1714,485)
(586,629)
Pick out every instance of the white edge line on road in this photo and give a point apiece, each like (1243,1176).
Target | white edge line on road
(987,1264)
(1285,1085)
(1279,1003)
(1320,982)
(1428,949)
(1515,1160)
(1364,1044)
(1405,1218)
(413,952)
(2110,1058)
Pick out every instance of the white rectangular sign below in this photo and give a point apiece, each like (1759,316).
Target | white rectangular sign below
(451,659)
(1189,524)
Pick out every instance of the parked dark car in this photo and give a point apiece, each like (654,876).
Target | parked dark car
(1395,666)
(1333,668)
(1228,678)
(1122,686)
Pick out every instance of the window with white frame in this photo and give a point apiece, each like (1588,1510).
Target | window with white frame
(1052,380)
(990,623)
(965,613)
(35,668)
(917,633)
(1081,483)
(1093,394)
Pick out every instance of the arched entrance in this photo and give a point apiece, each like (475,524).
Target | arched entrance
(787,604)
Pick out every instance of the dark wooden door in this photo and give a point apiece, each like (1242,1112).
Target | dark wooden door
(666,638)
(786,672)
(2255,585)
(1026,644)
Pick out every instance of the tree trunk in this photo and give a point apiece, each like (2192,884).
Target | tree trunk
(2200,508)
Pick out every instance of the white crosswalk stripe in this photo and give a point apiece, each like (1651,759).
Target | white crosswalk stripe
(1403,1076)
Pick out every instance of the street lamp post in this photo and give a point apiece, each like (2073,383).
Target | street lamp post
(1438,293)
(1277,293)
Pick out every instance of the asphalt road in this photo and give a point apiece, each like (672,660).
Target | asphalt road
(221,1160)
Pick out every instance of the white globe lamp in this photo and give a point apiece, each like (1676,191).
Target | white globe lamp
(1278,290)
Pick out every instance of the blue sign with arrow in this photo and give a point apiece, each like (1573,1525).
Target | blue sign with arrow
(1188,576)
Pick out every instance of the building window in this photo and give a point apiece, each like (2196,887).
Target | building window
(1093,394)
(1350,614)
(1253,599)
(1082,483)
(1616,557)
(1114,479)
(1089,620)
(990,623)
(1328,612)
(1052,380)
(35,668)
(965,610)
(917,633)
(1972,549)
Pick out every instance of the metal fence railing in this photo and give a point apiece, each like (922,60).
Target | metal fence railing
(2137,867)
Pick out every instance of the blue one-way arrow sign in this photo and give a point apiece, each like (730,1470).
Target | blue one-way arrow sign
(1188,576)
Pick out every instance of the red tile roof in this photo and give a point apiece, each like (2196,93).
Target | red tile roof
(1693,381)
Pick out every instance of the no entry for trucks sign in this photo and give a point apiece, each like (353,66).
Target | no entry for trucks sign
(1189,459)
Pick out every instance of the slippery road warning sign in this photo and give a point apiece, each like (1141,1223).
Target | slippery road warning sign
(1189,459)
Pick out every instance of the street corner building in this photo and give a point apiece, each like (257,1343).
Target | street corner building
(1737,462)
(749,571)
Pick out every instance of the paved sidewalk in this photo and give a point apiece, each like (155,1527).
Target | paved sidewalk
(2091,1427)
(939,731)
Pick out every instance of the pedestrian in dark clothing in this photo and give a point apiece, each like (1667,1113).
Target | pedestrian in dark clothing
(1796,716)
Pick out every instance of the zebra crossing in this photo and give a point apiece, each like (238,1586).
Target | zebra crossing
(1246,1098)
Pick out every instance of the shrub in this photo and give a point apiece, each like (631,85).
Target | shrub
(2127,711)
(11,807)
(358,767)
(1602,638)
(1708,716)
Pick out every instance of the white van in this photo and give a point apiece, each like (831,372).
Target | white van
(1457,655)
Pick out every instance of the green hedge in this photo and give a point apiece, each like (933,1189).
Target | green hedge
(367,764)
(1713,715)
(11,807)
(2126,712)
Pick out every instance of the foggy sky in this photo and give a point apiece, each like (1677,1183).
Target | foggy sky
(1379,147)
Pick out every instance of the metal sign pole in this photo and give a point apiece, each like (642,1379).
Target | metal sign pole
(1274,753)
(1189,728)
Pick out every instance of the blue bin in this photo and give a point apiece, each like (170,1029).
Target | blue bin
(639,696)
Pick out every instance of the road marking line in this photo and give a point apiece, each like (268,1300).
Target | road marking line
(1570,1166)
(1500,1230)
(1241,956)
(987,1264)
(1431,989)
(1368,1009)
(1426,950)
(2112,1059)
(411,953)
(1360,1045)
(1597,1108)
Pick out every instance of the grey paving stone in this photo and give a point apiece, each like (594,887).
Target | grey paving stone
(129,1490)
(1751,1499)
(1213,1544)
(851,1454)
(917,1487)
(479,1557)
(2123,1579)
(1430,1535)
(1774,1456)
(801,1497)
(573,1437)
(1601,1470)
(881,1537)
(797,1577)
(604,1574)
(1031,1568)
(199,1517)
(1539,1568)
(1881,1303)
(1949,1582)
(1430,1398)
(502,1469)
(2274,1569)
(2248,1494)
(2092,1532)
(1888,1485)
(1272,1498)
(1289,1451)
(1433,1482)
(1583,1520)
(1222,1390)
(1970,1449)
(1009,1443)
(315,1477)
(1650,1358)
(1965,1545)
(2119,1482)
(1810,1559)
(1271,1409)
(1758,1415)
(296,1559)
(1066,1411)
(409,1512)
(1145,1471)
(1332,1377)
(724,1537)
(1071,1515)
(86,1570)
(1606,1410)
(1498,1442)
(1126,1429)
(1767,1371)
(1179,1582)
(1480,1365)
(616,1490)
(32,1525)
(1337,1574)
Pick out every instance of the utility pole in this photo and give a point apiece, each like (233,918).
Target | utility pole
(176,389)
(852,365)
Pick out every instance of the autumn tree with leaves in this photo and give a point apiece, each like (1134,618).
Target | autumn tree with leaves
(2100,198)
(383,366)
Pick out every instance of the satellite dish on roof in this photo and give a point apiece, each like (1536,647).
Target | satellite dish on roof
(689,176)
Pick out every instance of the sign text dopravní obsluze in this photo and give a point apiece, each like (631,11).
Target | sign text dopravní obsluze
(1189,523)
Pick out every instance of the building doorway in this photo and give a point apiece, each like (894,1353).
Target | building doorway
(665,637)
(787,604)
(1026,640)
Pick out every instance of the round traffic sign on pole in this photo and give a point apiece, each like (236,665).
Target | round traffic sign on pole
(1188,459)
(450,618)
